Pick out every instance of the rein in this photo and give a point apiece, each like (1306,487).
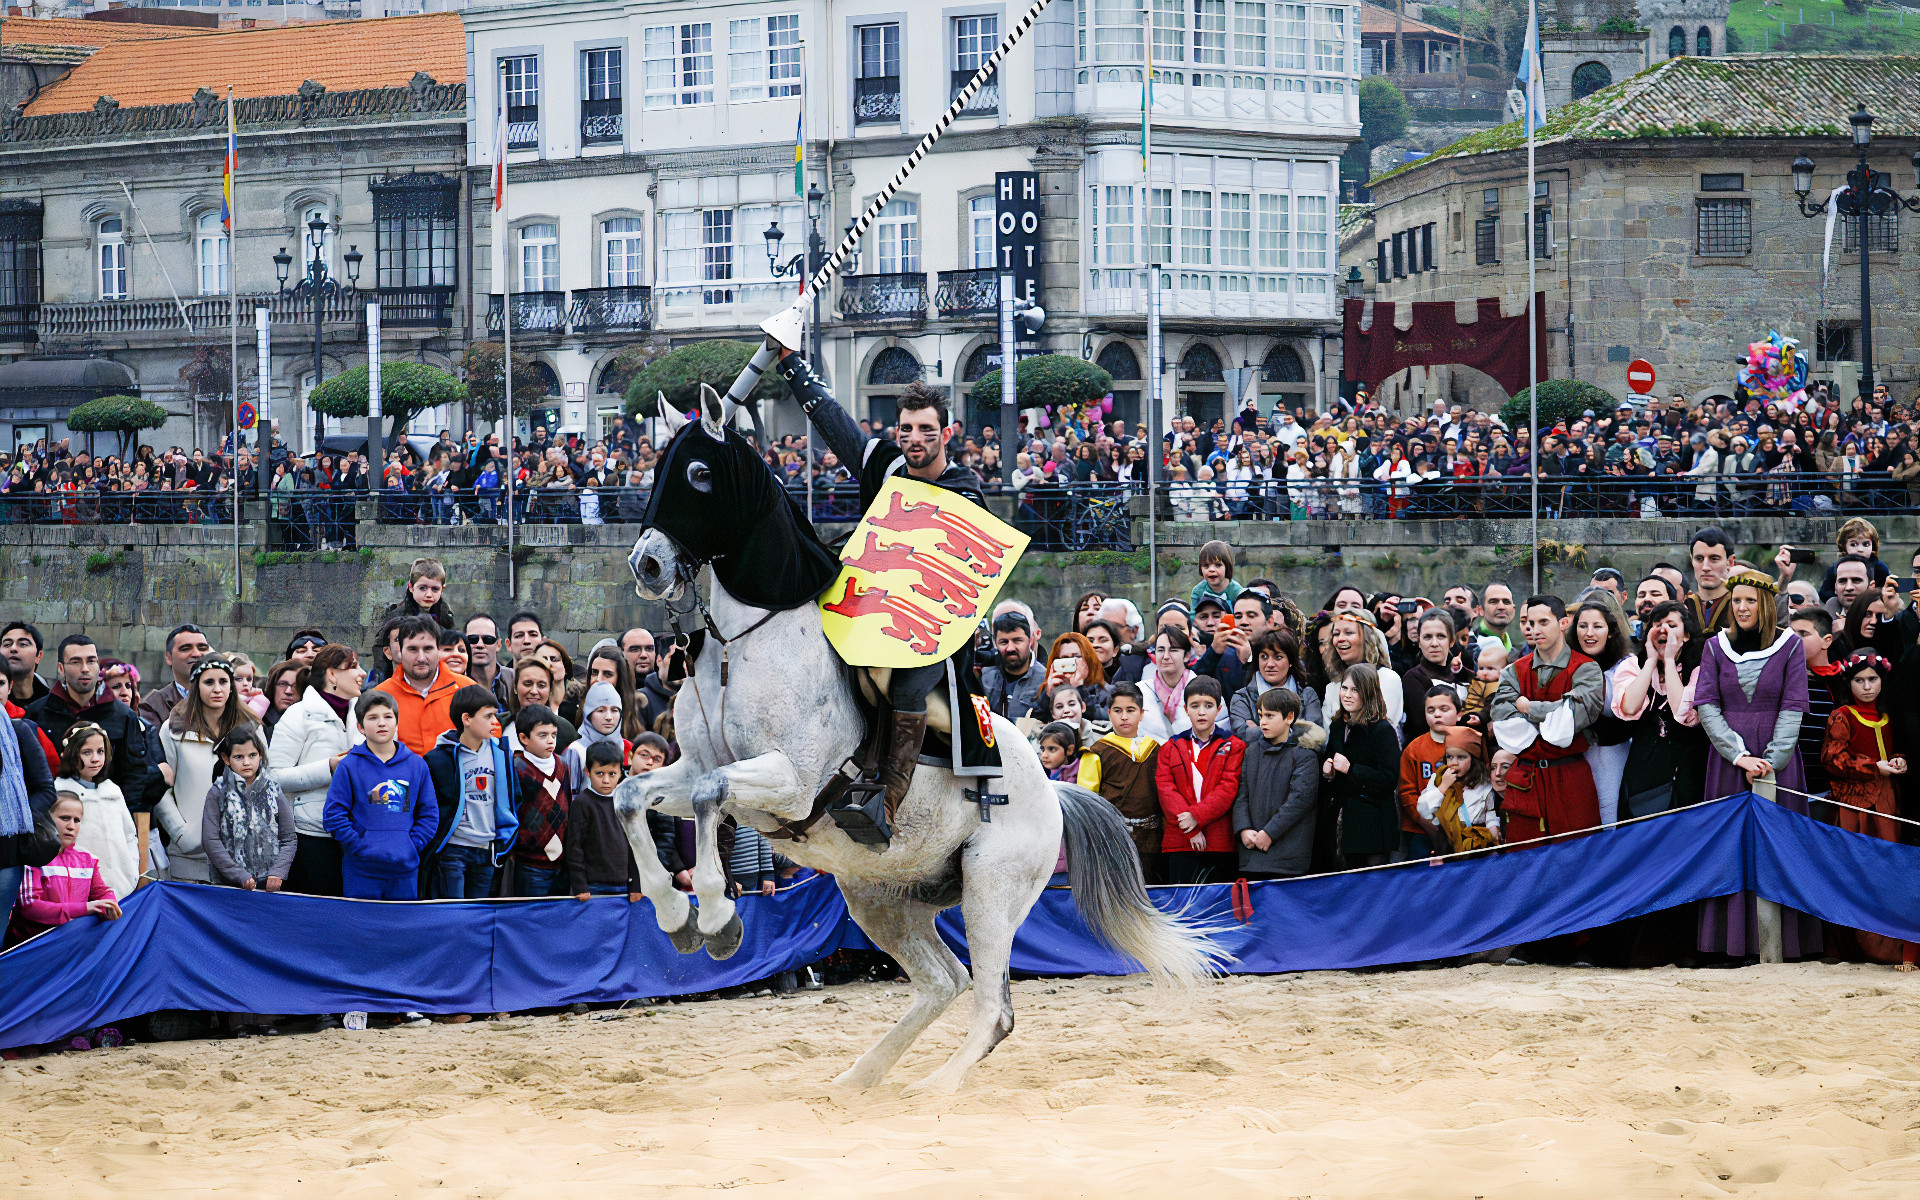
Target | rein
(694,643)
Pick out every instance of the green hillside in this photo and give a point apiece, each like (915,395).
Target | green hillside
(1820,25)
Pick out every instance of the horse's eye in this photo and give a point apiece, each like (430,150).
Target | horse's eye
(700,475)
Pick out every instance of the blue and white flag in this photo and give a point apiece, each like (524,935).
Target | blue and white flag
(1536,110)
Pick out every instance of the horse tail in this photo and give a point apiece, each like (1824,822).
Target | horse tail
(1112,898)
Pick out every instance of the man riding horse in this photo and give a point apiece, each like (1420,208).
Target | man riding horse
(922,454)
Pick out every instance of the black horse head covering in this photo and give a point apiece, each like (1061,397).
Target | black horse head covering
(722,504)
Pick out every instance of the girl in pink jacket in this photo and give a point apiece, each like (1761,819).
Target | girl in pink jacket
(68,887)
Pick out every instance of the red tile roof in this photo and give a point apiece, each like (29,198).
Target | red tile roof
(275,61)
(68,31)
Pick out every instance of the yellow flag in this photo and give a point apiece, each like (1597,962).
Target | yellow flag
(921,571)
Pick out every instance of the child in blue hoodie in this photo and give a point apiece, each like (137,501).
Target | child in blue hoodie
(380,807)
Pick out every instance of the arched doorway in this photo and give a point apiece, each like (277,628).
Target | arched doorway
(1703,42)
(1283,378)
(1200,365)
(1590,77)
(982,410)
(1118,360)
(892,369)
(549,410)
(1676,42)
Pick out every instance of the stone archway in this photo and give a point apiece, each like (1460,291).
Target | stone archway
(1590,77)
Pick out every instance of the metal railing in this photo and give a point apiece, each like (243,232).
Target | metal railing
(416,307)
(876,100)
(900,296)
(202,314)
(533,313)
(974,293)
(601,122)
(189,507)
(986,101)
(19,322)
(611,310)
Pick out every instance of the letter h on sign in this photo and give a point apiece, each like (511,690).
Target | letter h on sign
(1016,231)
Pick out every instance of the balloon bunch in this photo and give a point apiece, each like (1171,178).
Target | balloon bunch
(1775,371)
(1069,413)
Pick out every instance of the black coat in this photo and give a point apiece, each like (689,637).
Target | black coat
(1363,795)
(1279,787)
(55,714)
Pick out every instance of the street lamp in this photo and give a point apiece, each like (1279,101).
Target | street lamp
(1356,286)
(317,285)
(1867,194)
(810,261)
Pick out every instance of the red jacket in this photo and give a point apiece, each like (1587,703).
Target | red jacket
(1220,782)
(15,712)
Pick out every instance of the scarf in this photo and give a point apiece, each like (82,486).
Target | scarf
(16,817)
(1171,702)
(250,822)
(339,704)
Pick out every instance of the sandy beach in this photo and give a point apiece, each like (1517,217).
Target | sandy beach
(1479,1082)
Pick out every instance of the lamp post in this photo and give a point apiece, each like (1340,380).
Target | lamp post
(809,262)
(1867,194)
(318,285)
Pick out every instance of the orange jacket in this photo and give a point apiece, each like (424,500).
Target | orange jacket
(424,718)
(1419,763)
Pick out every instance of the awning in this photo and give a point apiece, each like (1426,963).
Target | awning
(48,388)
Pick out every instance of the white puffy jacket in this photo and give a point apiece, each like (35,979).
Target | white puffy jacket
(304,743)
(179,810)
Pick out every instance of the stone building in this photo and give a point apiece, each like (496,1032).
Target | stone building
(650,148)
(112,246)
(1586,45)
(1664,225)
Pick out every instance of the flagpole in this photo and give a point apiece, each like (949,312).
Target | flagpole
(1533,335)
(1153,455)
(233,341)
(506,316)
(800,191)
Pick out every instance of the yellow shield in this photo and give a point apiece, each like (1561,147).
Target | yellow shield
(919,574)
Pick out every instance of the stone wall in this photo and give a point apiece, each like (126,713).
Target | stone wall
(129,586)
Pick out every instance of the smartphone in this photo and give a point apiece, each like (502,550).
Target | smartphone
(1227,622)
(1797,555)
(1407,607)
(1907,584)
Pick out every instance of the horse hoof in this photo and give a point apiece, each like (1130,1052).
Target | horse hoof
(723,945)
(688,937)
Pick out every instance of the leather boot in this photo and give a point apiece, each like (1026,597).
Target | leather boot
(903,754)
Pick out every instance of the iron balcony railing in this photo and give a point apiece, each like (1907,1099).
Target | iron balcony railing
(986,100)
(19,322)
(876,100)
(533,313)
(611,310)
(416,307)
(523,127)
(601,122)
(865,299)
(972,293)
(198,314)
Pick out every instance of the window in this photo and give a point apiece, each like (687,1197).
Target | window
(1196,228)
(1292,22)
(1283,365)
(1589,78)
(763,58)
(1313,233)
(415,223)
(1399,255)
(896,238)
(1426,247)
(625,241)
(1543,233)
(876,90)
(716,253)
(1236,229)
(1883,233)
(539,258)
(679,65)
(1330,40)
(974,39)
(20,225)
(1486,241)
(523,102)
(1723,227)
(1159,225)
(980,214)
(1676,42)
(1275,237)
(1703,42)
(1382,262)
(1117,228)
(1210,32)
(210,254)
(113,259)
(1249,34)
(1118,31)
(1169,31)
(601,118)
(1728,182)
(1833,341)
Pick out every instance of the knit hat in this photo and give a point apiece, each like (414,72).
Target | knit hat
(601,695)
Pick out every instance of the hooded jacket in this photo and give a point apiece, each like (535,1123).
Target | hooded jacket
(600,695)
(310,733)
(383,814)
(107,831)
(1279,787)
(443,766)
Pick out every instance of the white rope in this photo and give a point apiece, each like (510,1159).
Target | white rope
(1872,812)
(831,267)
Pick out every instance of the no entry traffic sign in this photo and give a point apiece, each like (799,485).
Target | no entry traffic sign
(1640,376)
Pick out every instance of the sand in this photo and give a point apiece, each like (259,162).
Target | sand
(1479,1082)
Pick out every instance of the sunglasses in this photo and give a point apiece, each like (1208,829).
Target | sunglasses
(303,643)
(482,639)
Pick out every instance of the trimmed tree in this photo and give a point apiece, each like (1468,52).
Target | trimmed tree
(124,415)
(407,389)
(1047,380)
(483,367)
(679,373)
(625,365)
(1560,400)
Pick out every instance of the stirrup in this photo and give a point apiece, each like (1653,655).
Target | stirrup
(862,813)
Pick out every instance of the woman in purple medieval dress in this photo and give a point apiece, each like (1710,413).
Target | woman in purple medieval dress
(1751,694)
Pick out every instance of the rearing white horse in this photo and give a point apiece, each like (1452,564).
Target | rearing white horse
(766,717)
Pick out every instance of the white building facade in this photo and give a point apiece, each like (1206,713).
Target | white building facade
(652,145)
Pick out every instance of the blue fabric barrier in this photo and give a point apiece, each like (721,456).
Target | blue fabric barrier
(185,946)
